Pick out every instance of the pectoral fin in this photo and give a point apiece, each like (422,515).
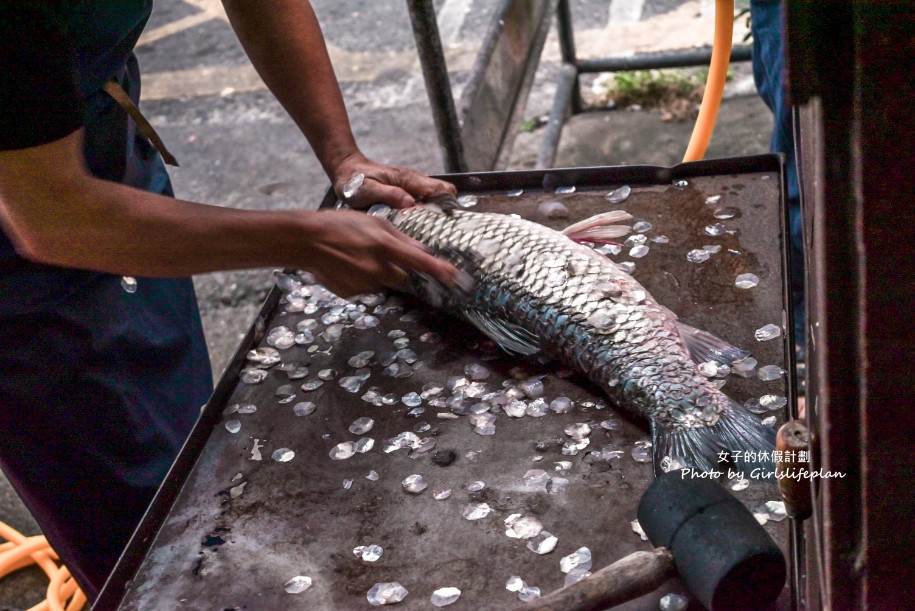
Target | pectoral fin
(509,336)
(600,227)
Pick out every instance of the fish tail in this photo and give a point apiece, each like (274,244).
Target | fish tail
(738,440)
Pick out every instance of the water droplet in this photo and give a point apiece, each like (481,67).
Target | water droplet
(445,596)
(236,491)
(773,510)
(297,584)
(528,593)
(660,239)
(364,444)
(542,543)
(578,431)
(565,190)
(553,210)
(283,455)
(361,426)
(772,402)
(281,338)
(352,186)
(368,553)
(304,408)
(536,478)
(576,575)
(233,426)
(673,602)
(285,393)
(517,527)
(711,200)
(579,559)
(726,213)
(627,266)
(637,252)
(770,421)
(310,385)
(467,201)
(744,367)
(361,360)
(264,357)
(129,284)
(770,373)
(642,227)
(476,511)
(698,255)
(514,584)
(475,486)
(619,195)
(641,451)
(372,476)
(715,229)
(681,184)
(515,192)
(386,593)
(440,494)
(746,281)
(253,375)
(342,451)
(561,405)
(738,483)
(414,484)
(767,332)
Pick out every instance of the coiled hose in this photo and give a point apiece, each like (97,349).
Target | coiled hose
(20,551)
(714,85)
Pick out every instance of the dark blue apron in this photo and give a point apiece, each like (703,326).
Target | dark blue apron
(98,387)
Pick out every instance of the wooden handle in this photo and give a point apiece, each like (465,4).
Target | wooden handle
(625,579)
(792,461)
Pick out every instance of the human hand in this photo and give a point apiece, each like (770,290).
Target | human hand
(352,253)
(395,186)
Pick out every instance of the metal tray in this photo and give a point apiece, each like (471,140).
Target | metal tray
(202,547)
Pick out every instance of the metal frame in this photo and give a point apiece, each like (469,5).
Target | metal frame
(568,101)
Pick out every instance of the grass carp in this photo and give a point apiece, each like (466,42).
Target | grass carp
(539,290)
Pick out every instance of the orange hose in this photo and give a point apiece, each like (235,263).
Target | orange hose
(20,551)
(714,86)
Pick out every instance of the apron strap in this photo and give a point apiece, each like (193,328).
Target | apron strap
(117,93)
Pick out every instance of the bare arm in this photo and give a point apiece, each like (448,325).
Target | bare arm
(57,213)
(285,44)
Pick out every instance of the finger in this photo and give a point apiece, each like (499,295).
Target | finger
(416,184)
(374,192)
(412,255)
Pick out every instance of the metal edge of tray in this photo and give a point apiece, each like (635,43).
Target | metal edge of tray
(139,545)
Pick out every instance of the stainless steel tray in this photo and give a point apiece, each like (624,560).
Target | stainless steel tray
(204,547)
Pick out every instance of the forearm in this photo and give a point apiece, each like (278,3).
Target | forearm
(57,213)
(284,42)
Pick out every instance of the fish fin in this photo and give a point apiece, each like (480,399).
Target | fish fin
(703,346)
(509,336)
(599,228)
(706,448)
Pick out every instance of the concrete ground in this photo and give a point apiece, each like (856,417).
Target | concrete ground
(238,148)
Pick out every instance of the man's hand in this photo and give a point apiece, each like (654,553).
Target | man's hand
(352,253)
(384,184)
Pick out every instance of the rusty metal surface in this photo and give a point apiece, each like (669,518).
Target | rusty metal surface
(295,518)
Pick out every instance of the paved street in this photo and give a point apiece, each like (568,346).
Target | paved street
(237,147)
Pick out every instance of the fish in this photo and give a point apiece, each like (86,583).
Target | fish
(538,291)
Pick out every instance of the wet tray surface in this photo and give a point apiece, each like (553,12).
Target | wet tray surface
(257,499)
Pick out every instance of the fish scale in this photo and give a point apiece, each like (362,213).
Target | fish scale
(599,320)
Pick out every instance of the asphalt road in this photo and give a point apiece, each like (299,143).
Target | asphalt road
(238,148)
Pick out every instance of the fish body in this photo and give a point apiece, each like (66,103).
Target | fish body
(538,290)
